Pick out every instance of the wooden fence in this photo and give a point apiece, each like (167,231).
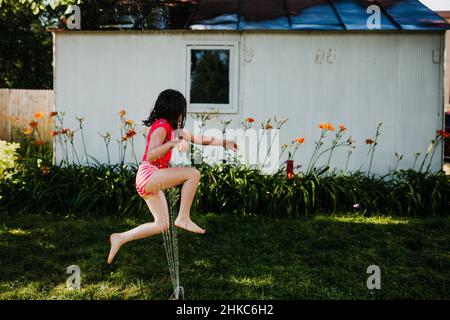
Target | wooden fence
(18,108)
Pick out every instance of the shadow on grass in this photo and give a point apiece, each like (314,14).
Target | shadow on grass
(320,257)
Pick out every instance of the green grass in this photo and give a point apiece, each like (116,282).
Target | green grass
(240,257)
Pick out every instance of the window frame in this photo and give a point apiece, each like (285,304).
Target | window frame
(233,76)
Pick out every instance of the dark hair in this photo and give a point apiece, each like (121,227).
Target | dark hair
(169,105)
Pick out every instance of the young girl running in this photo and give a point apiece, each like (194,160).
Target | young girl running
(154,175)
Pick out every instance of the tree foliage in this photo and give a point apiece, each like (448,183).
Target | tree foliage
(25,46)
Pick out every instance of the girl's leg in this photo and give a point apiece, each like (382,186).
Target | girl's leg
(170,177)
(158,207)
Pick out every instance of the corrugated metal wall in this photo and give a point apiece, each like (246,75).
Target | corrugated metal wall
(350,78)
(447,71)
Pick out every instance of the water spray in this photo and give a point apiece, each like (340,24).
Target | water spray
(171,241)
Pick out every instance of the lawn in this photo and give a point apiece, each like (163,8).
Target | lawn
(240,257)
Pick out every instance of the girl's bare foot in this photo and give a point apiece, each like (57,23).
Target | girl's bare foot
(188,224)
(115,246)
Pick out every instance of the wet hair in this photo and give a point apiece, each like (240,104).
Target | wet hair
(169,105)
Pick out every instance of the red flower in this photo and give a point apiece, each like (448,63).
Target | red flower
(33,124)
(250,120)
(53,113)
(64,131)
(55,133)
(131,133)
(369,141)
(443,134)
(39,142)
(44,170)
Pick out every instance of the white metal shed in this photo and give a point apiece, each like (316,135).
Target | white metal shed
(336,74)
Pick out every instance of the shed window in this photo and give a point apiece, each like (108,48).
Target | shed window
(211,78)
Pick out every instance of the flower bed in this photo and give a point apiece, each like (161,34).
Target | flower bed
(83,186)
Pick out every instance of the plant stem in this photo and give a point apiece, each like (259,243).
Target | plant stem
(107,152)
(432,154)
(365,158)
(74,153)
(396,166)
(318,145)
(430,147)
(374,144)
(270,148)
(329,148)
(134,153)
(416,156)
(62,148)
(124,153)
(348,157)
(84,145)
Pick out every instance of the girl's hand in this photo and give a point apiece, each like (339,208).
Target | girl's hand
(230,145)
(180,144)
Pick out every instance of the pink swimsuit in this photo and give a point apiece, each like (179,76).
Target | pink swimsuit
(146,168)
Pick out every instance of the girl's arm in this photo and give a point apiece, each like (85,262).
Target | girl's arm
(211,141)
(157,149)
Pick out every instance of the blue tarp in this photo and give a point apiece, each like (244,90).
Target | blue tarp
(314,15)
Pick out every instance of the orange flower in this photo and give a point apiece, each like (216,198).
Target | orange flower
(342,127)
(33,124)
(38,115)
(290,175)
(55,133)
(64,130)
(131,133)
(39,142)
(27,131)
(326,126)
(269,126)
(443,134)
(122,113)
(323,126)
(250,120)
(300,140)
(53,113)
(129,122)
(369,141)
(44,170)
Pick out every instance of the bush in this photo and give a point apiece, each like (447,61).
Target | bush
(109,190)
(105,189)
(73,190)
(226,188)
(8,159)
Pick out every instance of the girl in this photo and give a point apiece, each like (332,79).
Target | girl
(154,175)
